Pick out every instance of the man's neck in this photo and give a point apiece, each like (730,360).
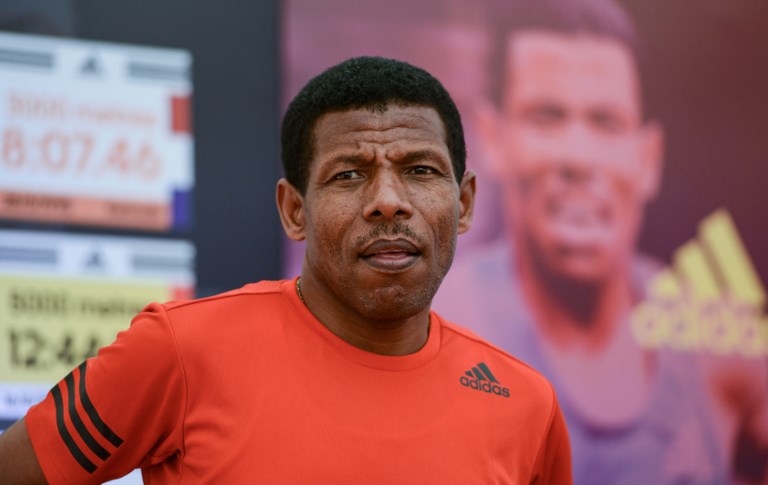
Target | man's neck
(400,336)
(573,313)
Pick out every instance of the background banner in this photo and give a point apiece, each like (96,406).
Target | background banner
(619,241)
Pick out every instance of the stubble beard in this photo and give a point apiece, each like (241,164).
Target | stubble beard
(395,301)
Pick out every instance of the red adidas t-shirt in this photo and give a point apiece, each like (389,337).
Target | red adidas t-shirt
(249,386)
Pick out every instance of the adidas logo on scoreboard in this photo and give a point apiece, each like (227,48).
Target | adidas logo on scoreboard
(711,298)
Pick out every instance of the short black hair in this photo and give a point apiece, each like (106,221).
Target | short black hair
(364,82)
(600,18)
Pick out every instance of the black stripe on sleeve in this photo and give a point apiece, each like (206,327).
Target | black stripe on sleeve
(93,415)
(87,437)
(487,371)
(76,452)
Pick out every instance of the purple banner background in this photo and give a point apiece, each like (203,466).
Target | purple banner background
(704,79)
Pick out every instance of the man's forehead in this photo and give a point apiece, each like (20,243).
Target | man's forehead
(373,112)
(540,59)
(542,42)
(382,122)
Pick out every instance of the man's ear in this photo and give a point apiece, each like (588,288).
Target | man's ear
(653,159)
(466,201)
(290,206)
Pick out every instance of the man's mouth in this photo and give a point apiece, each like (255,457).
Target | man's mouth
(390,255)
(579,222)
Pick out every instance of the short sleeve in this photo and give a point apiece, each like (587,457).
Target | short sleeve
(553,463)
(120,410)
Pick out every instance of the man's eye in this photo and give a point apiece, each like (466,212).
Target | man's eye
(608,122)
(422,170)
(348,175)
(545,115)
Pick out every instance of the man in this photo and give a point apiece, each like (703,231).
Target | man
(577,160)
(343,375)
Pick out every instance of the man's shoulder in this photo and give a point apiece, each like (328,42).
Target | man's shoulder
(259,290)
(509,369)
(256,304)
(481,292)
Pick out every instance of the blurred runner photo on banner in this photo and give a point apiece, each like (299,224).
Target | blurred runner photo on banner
(617,246)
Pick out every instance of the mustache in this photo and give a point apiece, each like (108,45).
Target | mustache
(394,229)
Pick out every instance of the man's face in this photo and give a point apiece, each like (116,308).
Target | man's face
(577,162)
(382,209)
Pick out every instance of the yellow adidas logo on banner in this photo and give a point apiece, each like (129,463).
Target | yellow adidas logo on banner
(711,298)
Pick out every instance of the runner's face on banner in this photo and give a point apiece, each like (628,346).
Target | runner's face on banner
(578,163)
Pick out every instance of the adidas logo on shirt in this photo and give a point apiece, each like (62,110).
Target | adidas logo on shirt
(480,378)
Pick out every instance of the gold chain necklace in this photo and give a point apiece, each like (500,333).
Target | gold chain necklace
(298,290)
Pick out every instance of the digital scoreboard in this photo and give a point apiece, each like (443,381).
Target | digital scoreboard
(95,134)
(95,138)
(64,296)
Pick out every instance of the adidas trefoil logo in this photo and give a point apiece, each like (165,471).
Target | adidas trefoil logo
(480,378)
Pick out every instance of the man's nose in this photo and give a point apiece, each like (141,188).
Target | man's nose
(578,153)
(387,197)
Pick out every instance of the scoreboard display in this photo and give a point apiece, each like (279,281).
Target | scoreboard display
(94,134)
(64,296)
(96,187)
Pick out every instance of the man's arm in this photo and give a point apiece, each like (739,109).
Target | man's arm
(18,463)
(134,395)
(553,464)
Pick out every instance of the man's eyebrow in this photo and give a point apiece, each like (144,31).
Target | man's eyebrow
(357,159)
(425,153)
(407,157)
